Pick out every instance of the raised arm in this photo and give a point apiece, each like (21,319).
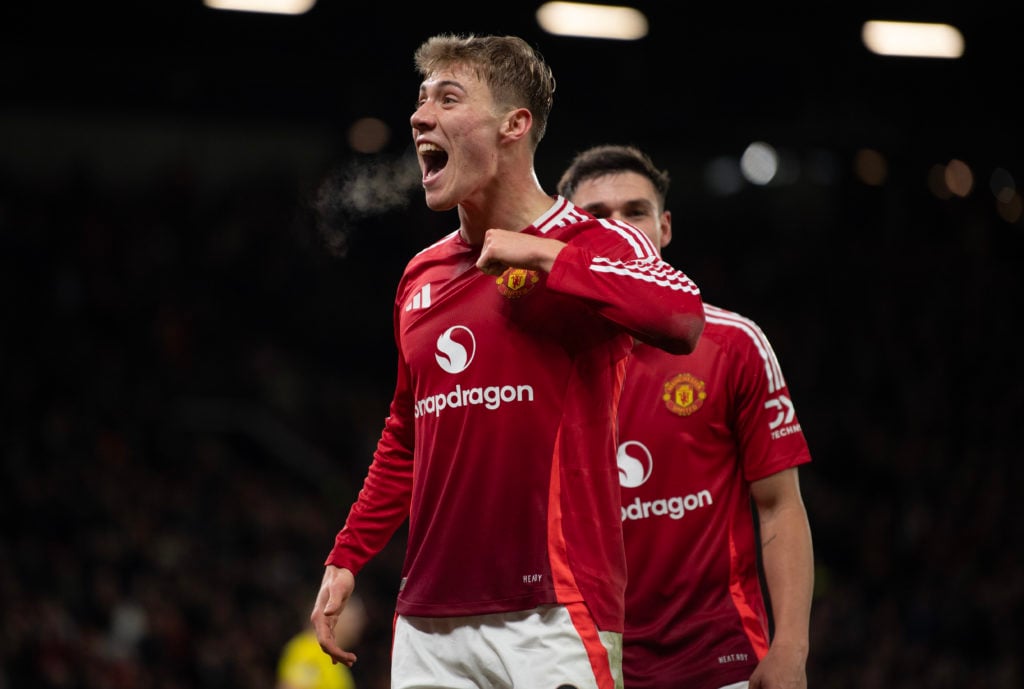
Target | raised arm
(629,284)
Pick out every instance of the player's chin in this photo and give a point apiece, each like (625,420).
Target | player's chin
(440,202)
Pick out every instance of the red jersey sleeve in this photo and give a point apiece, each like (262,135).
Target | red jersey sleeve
(767,427)
(621,275)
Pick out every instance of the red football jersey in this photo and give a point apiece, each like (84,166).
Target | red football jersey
(695,430)
(500,442)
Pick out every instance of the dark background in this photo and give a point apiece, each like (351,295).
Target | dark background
(197,363)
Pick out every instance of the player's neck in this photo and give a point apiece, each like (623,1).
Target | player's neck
(511,207)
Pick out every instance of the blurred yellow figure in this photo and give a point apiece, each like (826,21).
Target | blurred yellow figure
(304,665)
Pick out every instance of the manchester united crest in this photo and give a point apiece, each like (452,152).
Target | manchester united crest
(515,282)
(684,394)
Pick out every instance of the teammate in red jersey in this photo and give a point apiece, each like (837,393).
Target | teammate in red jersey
(512,334)
(699,436)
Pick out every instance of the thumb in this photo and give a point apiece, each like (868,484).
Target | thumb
(334,603)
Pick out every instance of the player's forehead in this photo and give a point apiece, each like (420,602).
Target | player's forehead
(615,188)
(456,75)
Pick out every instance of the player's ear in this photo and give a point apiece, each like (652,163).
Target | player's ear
(666,228)
(517,123)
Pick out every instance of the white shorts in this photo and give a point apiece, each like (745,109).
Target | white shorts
(550,647)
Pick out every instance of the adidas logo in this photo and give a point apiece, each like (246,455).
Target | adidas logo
(420,300)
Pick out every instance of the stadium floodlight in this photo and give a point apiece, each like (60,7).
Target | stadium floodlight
(912,39)
(263,6)
(592,21)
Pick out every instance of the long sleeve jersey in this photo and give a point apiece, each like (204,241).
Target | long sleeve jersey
(500,441)
(695,431)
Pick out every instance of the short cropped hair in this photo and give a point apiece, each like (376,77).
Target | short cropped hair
(609,159)
(516,73)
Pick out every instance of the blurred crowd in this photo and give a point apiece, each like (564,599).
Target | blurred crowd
(194,383)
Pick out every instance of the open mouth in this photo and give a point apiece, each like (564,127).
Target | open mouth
(433,158)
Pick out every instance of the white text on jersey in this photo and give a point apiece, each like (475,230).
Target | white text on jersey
(675,507)
(491,397)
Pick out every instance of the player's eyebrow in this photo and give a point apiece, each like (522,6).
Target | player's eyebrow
(444,83)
